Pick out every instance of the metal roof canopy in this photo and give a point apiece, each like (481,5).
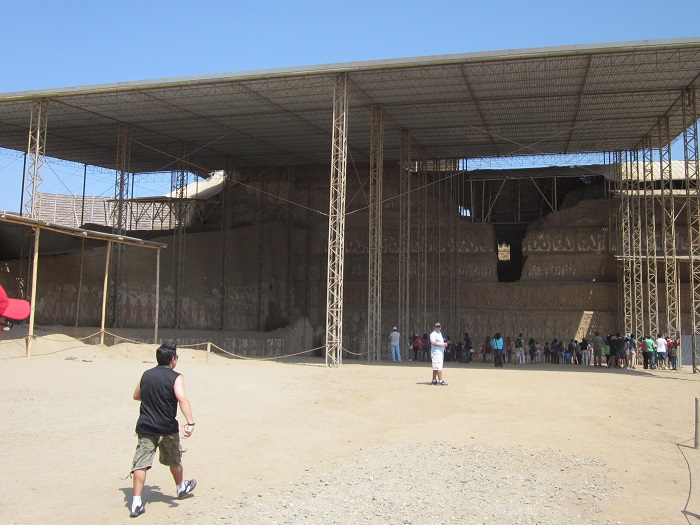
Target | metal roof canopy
(37,226)
(570,100)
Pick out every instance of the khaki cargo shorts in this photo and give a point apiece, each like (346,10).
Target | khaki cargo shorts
(168,447)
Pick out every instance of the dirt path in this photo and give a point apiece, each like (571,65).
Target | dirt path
(68,422)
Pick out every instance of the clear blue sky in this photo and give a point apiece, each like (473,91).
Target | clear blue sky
(46,44)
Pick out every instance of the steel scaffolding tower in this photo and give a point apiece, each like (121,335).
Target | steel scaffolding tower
(33,178)
(119,221)
(650,239)
(672,319)
(624,245)
(178,183)
(423,241)
(226,244)
(404,233)
(34,165)
(637,297)
(336,223)
(451,167)
(692,175)
(374,297)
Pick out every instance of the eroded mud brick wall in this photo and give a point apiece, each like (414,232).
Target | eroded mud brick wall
(277,264)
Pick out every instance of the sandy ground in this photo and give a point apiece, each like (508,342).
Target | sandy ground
(68,428)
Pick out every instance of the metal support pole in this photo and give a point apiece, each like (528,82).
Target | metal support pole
(262,237)
(119,221)
(672,318)
(157,312)
(423,242)
(692,181)
(178,181)
(336,223)
(80,281)
(36,147)
(226,213)
(623,245)
(650,238)
(376,176)
(404,232)
(636,227)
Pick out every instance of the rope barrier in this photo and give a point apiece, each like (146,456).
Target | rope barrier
(209,344)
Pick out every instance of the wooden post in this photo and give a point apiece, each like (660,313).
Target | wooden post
(32,302)
(697,422)
(80,280)
(104,293)
(208,352)
(155,329)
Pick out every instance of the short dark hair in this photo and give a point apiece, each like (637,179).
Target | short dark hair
(165,353)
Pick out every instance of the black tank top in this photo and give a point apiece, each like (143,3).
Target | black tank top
(158,402)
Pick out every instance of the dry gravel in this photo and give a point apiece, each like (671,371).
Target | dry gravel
(432,483)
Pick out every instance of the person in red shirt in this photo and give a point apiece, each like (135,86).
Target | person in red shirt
(11,310)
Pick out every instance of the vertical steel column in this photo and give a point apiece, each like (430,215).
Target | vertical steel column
(291,197)
(692,176)
(34,167)
(650,239)
(262,236)
(672,318)
(336,223)
(226,242)
(119,223)
(636,219)
(423,242)
(32,182)
(623,246)
(404,232)
(452,252)
(374,296)
(178,183)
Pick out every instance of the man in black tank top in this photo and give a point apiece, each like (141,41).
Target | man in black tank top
(160,391)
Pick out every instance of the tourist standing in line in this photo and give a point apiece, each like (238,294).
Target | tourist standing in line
(395,341)
(598,345)
(498,349)
(661,346)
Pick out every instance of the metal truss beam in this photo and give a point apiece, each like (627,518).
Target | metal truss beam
(178,182)
(624,246)
(423,322)
(668,207)
(404,233)
(650,239)
(34,165)
(450,191)
(376,176)
(692,176)
(336,223)
(636,228)
(119,223)
(226,246)
(263,235)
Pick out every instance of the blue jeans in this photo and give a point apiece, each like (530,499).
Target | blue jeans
(396,352)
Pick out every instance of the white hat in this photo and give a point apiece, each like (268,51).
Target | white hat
(395,329)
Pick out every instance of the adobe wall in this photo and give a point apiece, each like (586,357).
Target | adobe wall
(277,266)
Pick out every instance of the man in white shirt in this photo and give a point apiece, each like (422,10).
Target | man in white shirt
(437,353)
(661,352)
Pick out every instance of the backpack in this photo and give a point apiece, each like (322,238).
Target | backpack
(518,343)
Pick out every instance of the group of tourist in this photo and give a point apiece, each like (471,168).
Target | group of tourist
(623,351)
